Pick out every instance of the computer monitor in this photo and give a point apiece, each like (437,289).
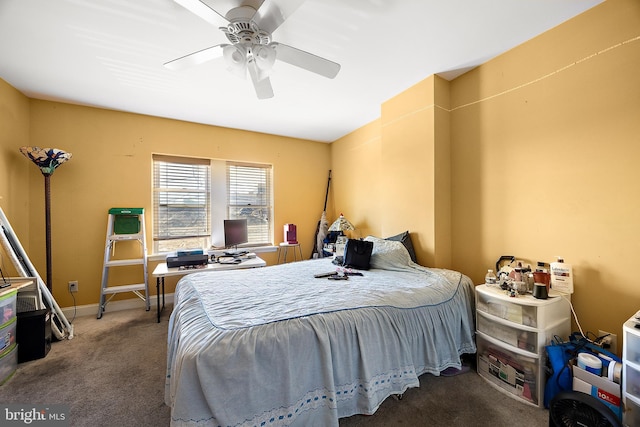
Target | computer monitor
(235,232)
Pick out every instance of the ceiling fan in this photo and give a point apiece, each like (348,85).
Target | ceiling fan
(248,28)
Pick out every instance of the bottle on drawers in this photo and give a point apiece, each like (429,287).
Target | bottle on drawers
(490,278)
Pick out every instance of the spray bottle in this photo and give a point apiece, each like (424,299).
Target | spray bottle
(561,276)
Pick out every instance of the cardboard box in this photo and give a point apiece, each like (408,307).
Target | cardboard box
(601,388)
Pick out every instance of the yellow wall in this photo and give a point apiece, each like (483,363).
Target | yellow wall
(111,167)
(408,157)
(395,173)
(14,133)
(356,179)
(544,143)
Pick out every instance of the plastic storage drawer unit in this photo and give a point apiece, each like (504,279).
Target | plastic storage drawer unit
(511,336)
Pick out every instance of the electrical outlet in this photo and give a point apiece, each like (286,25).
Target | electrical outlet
(73,286)
(610,342)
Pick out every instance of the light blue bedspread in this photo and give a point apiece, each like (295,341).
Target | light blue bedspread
(276,346)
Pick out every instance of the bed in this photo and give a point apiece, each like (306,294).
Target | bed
(276,346)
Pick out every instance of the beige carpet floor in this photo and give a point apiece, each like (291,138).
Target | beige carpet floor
(112,374)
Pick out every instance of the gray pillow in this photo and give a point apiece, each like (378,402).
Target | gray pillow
(405,239)
(389,254)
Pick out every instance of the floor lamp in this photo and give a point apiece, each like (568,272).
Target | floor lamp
(47,159)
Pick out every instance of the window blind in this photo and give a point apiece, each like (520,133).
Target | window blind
(249,197)
(181,199)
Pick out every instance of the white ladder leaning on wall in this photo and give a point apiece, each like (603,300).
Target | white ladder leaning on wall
(124,225)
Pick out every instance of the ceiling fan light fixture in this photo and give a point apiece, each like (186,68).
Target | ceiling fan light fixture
(236,58)
(265,57)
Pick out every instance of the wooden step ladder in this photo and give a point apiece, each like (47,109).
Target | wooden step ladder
(124,225)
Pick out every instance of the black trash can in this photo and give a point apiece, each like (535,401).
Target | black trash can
(33,334)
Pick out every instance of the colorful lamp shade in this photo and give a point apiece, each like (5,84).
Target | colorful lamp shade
(47,159)
(341,224)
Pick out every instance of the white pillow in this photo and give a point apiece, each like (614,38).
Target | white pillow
(389,254)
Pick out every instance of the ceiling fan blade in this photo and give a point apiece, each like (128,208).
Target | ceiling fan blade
(262,85)
(272,13)
(196,58)
(204,11)
(306,60)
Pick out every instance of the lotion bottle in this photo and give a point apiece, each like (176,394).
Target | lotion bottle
(561,276)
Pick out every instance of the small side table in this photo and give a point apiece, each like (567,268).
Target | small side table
(283,249)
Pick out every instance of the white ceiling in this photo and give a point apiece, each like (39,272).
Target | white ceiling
(109,54)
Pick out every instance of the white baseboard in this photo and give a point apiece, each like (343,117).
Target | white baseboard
(113,306)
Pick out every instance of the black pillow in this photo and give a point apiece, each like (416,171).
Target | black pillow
(405,239)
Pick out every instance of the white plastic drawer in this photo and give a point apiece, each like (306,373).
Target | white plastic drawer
(523,339)
(8,363)
(8,307)
(633,345)
(632,381)
(495,304)
(523,309)
(510,371)
(8,334)
(631,415)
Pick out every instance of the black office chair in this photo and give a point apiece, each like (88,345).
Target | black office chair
(573,409)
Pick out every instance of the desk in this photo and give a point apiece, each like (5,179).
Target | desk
(161,271)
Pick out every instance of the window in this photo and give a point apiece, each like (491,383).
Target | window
(192,197)
(249,197)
